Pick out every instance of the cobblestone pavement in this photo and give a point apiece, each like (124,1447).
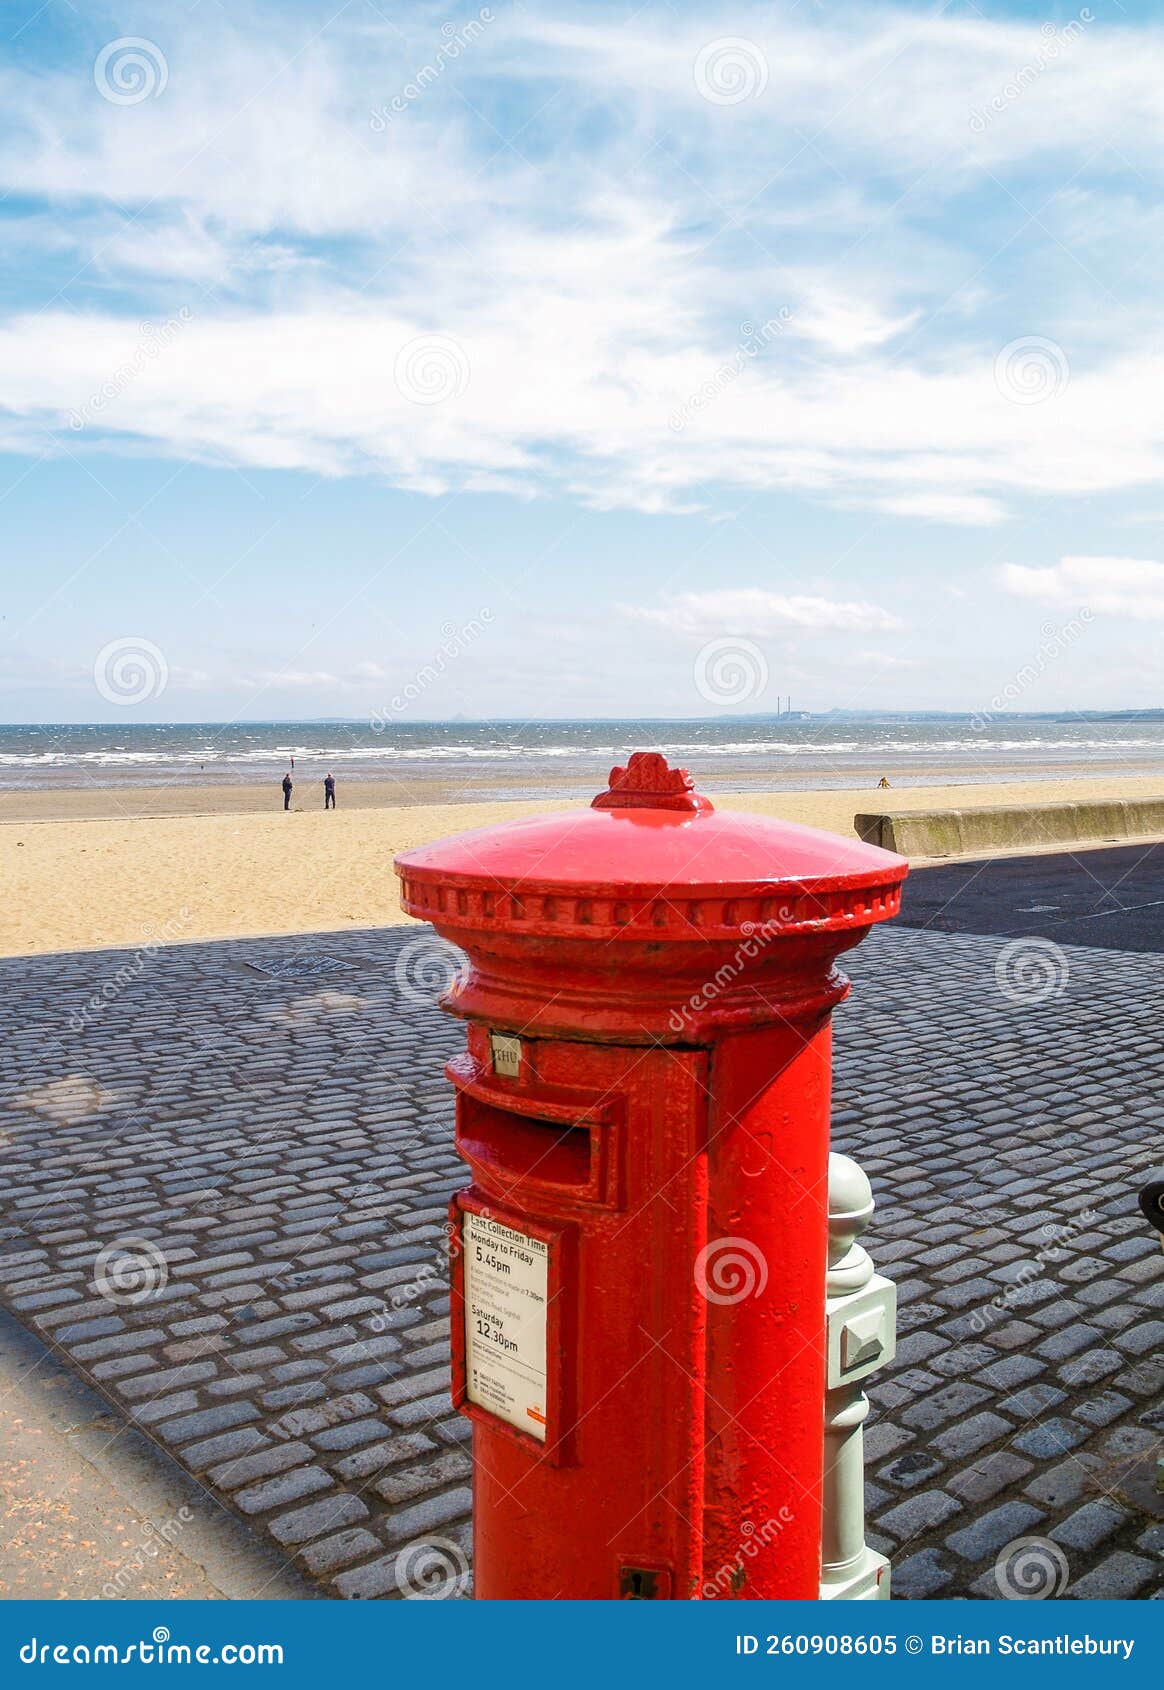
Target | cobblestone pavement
(257,1135)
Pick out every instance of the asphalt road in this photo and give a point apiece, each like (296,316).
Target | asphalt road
(1112,899)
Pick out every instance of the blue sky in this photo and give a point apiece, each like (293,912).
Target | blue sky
(815,340)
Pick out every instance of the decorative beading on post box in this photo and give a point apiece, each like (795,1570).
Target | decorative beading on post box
(671,893)
(638,1266)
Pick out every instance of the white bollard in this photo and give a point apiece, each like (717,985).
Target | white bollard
(861,1309)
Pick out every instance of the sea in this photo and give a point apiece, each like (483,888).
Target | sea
(523,759)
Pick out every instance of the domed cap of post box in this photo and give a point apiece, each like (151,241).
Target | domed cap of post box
(650,860)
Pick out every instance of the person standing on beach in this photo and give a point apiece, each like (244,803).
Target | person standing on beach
(288,784)
(329,792)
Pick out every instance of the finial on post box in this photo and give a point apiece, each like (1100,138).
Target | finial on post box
(648,782)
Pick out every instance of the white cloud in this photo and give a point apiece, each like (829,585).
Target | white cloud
(1111,586)
(297,680)
(902,84)
(556,399)
(847,325)
(591,290)
(757,613)
(969,508)
(887,660)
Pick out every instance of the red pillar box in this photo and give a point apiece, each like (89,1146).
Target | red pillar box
(639,1262)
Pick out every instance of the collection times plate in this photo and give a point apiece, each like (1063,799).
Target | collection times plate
(506,1277)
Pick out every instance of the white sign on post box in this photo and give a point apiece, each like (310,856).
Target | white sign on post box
(506,1292)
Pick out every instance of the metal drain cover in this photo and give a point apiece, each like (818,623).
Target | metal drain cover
(299,967)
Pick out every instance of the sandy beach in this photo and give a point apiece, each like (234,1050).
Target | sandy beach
(107,872)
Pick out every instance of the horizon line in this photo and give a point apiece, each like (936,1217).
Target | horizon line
(751,718)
